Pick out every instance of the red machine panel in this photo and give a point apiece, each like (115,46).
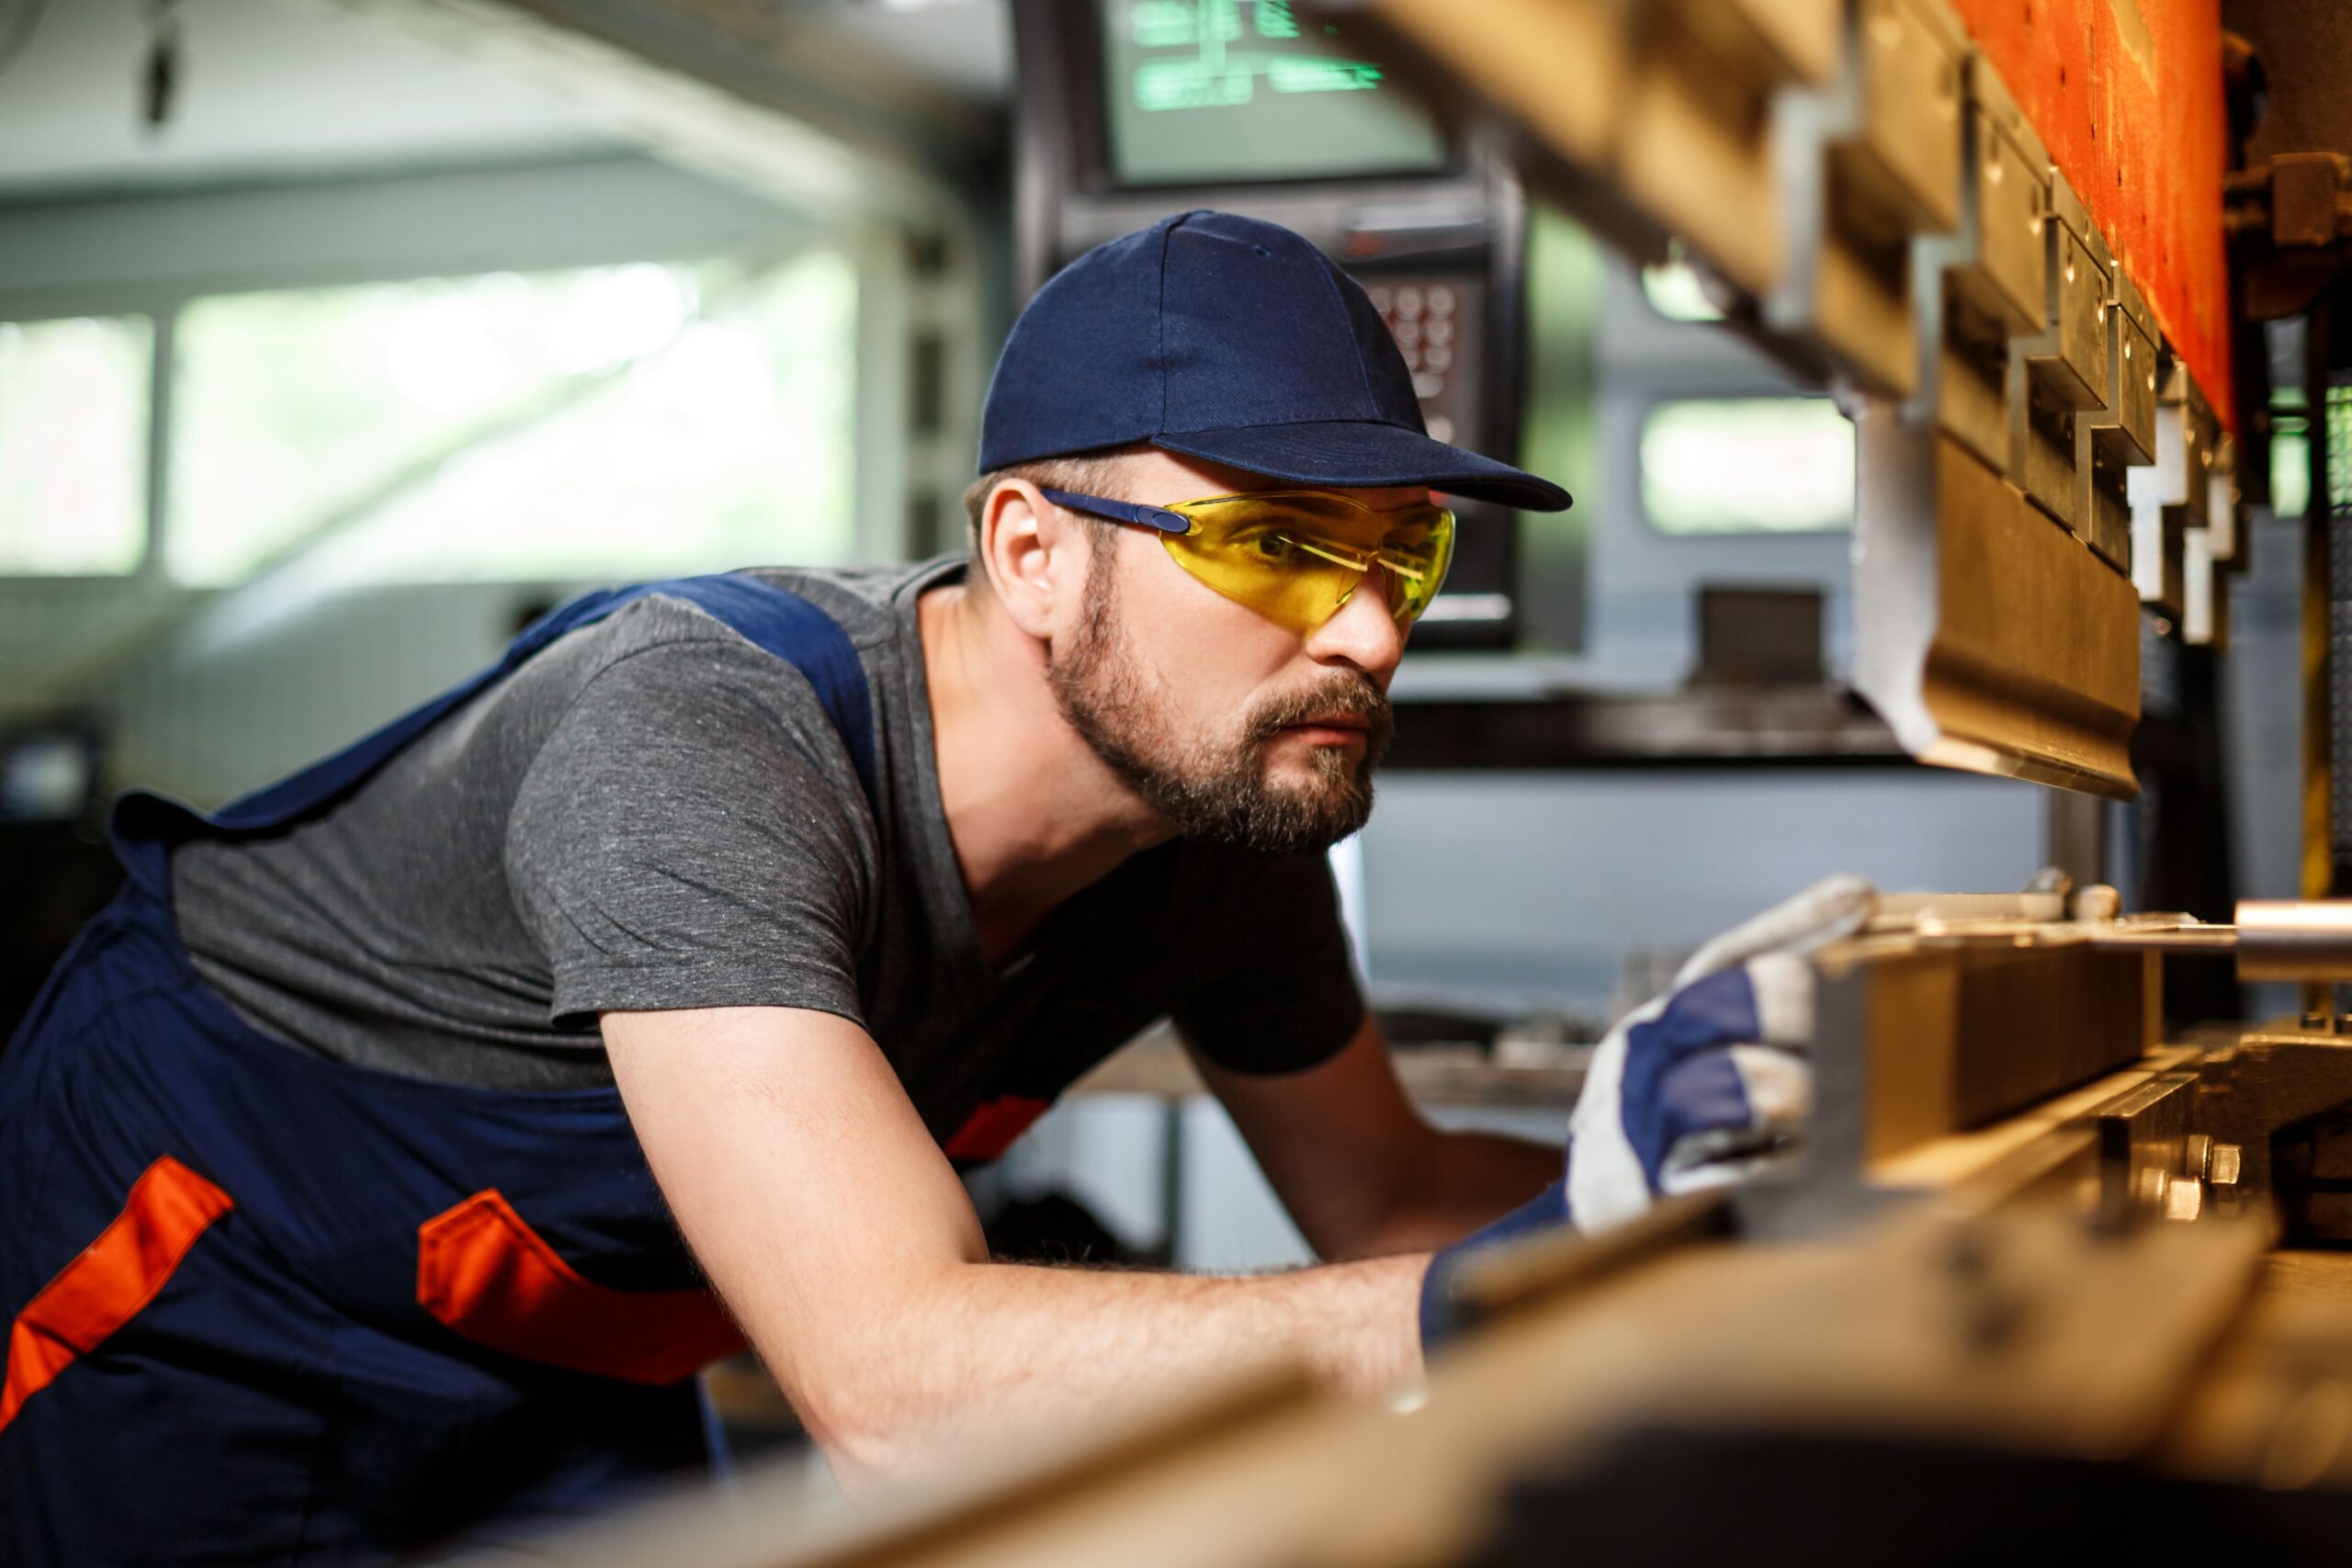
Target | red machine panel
(2127,95)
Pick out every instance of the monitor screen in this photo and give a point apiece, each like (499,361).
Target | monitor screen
(1212,91)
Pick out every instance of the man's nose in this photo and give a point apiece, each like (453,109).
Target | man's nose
(1362,632)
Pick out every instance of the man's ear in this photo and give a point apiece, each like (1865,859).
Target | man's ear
(1036,555)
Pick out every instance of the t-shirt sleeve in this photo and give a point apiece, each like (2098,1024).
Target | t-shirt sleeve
(1279,993)
(691,834)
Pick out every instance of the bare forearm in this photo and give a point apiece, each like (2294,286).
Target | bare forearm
(1466,1179)
(972,1351)
(823,1210)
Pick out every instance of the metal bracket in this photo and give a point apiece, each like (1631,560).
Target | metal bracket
(1866,163)
(2173,493)
(2064,368)
(2109,442)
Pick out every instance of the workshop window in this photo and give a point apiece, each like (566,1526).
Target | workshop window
(603,422)
(1716,466)
(73,403)
(2290,453)
(1675,292)
(2290,473)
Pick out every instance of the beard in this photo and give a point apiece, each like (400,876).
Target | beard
(1216,788)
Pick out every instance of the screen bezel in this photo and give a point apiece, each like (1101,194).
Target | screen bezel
(1090,114)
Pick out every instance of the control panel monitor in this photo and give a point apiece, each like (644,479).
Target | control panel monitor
(1224,92)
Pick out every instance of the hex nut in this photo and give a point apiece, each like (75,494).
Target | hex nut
(2196,1155)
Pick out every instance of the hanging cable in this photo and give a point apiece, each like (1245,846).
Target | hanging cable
(159,81)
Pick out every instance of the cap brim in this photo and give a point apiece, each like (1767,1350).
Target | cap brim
(1363,454)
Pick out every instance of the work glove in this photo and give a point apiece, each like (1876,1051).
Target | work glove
(1701,1087)
(1707,1084)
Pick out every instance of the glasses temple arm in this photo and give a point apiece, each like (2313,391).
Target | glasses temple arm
(1142,516)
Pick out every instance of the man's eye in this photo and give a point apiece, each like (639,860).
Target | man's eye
(1275,547)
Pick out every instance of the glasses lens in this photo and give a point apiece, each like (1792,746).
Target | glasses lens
(1297,557)
(1417,556)
(1263,558)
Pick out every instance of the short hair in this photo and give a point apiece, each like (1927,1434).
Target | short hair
(1086,473)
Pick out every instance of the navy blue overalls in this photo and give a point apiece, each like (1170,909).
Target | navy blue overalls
(266,1307)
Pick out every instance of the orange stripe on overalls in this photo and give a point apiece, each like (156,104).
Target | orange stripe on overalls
(484,1272)
(134,1258)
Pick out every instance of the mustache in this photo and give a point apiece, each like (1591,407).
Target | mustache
(1351,696)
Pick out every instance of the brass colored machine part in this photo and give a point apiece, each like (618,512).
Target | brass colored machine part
(1697,144)
(1987,638)
(2175,493)
(2065,369)
(1868,163)
(2111,442)
(1981,285)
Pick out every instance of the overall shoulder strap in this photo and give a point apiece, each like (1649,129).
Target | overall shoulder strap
(145,826)
(786,625)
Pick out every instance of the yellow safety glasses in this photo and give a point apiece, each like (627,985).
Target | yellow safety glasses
(1294,556)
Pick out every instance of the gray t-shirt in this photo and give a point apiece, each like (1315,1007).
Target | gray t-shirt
(655,813)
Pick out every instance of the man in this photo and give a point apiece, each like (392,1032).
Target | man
(336,1237)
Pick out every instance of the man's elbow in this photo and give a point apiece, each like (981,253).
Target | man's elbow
(863,1447)
(877,1395)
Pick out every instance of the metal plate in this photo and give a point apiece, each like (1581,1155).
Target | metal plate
(1558,67)
(1987,638)
(2069,357)
(2010,180)
(1787,40)
(1696,152)
(2110,441)
(1910,58)
(2137,342)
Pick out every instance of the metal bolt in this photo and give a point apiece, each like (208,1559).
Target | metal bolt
(2184,1200)
(2227,1163)
(2096,902)
(2196,1155)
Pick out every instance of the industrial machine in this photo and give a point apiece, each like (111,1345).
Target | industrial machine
(2053,1271)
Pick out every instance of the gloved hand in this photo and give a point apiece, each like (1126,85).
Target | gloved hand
(1699,1087)
(1703,1085)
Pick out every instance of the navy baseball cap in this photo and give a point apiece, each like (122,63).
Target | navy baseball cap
(1229,339)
